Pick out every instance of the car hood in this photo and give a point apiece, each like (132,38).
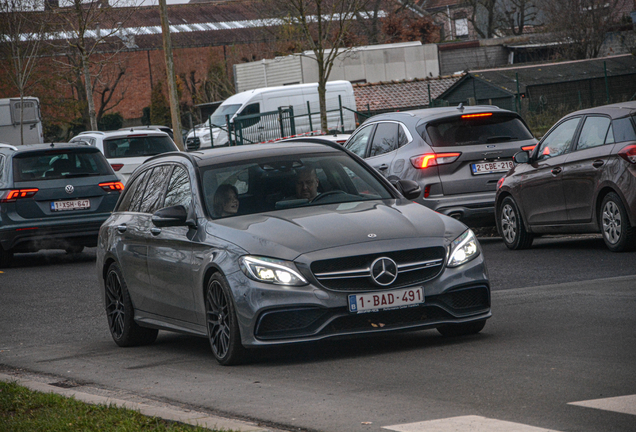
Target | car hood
(289,233)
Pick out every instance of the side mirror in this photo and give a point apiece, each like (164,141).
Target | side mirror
(170,216)
(521,157)
(408,188)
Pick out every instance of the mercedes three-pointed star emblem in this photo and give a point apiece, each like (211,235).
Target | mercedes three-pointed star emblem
(384,271)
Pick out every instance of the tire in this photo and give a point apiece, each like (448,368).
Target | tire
(511,226)
(6,258)
(452,330)
(222,323)
(74,249)
(618,234)
(120,313)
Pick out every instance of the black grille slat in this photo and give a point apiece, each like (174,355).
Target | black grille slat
(466,299)
(405,277)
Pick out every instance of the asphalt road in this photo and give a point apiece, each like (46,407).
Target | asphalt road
(564,314)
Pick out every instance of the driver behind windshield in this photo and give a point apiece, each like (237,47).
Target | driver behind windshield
(306,183)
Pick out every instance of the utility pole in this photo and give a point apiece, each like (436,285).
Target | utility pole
(172,85)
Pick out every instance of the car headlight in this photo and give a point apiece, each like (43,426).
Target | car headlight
(271,270)
(463,249)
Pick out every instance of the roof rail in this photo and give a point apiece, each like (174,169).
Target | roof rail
(94,132)
(12,147)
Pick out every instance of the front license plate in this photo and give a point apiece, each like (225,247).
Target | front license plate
(385,300)
(70,205)
(491,167)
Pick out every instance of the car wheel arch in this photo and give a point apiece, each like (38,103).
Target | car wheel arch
(603,192)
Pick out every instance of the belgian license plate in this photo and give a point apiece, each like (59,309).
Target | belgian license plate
(81,204)
(491,167)
(385,300)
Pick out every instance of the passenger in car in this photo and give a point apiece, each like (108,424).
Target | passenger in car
(226,201)
(306,183)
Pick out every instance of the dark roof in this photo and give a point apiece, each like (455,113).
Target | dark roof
(393,95)
(505,78)
(616,110)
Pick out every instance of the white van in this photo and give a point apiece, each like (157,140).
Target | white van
(268,100)
(10,121)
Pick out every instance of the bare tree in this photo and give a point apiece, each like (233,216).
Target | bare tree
(21,35)
(94,35)
(582,25)
(515,15)
(325,25)
(484,17)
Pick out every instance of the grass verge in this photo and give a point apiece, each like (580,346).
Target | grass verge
(23,410)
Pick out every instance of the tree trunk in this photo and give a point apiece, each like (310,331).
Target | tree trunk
(88,84)
(322,90)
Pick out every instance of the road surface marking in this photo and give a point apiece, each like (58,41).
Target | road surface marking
(466,424)
(620,404)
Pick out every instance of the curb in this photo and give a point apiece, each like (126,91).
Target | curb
(167,413)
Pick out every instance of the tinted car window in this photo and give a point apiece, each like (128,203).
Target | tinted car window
(56,164)
(1,167)
(135,146)
(271,183)
(475,130)
(593,132)
(558,141)
(133,194)
(358,144)
(385,139)
(402,137)
(624,130)
(155,189)
(179,191)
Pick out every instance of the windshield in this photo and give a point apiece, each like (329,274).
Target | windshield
(218,117)
(490,128)
(57,164)
(138,145)
(263,185)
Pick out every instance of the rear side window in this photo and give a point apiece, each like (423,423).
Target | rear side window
(623,130)
(593,132)
(57,164)
(138,145)
(385,139)
(460,131)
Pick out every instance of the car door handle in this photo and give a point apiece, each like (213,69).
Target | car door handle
(598,163)
(556,170)
(122,228)
(155,231)
(383,167)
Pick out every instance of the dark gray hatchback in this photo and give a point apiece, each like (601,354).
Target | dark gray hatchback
(291,242)
(53,196)
(456,154)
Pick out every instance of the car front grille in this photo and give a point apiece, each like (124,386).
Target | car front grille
(354,273)
(316,321)
(193,143)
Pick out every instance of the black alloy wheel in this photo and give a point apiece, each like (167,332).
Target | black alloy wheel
(120,313)
(511,227)
(223,330)
(618,234)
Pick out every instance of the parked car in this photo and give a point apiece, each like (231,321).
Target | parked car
(125,150)
(456,154)
(53,196)
(282,243)
(581,178)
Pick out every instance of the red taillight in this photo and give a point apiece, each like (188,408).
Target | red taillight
(117,167)
(500,182)
(468,116)
(15,194)
(112,186)
(528,148)
(431,159)
(628,153)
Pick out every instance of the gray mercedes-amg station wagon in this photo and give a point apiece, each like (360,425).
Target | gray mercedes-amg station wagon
(282,243)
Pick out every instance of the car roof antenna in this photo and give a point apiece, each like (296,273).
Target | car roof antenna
(461,106)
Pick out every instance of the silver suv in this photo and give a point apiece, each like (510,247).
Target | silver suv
(126,149)
(456,154)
